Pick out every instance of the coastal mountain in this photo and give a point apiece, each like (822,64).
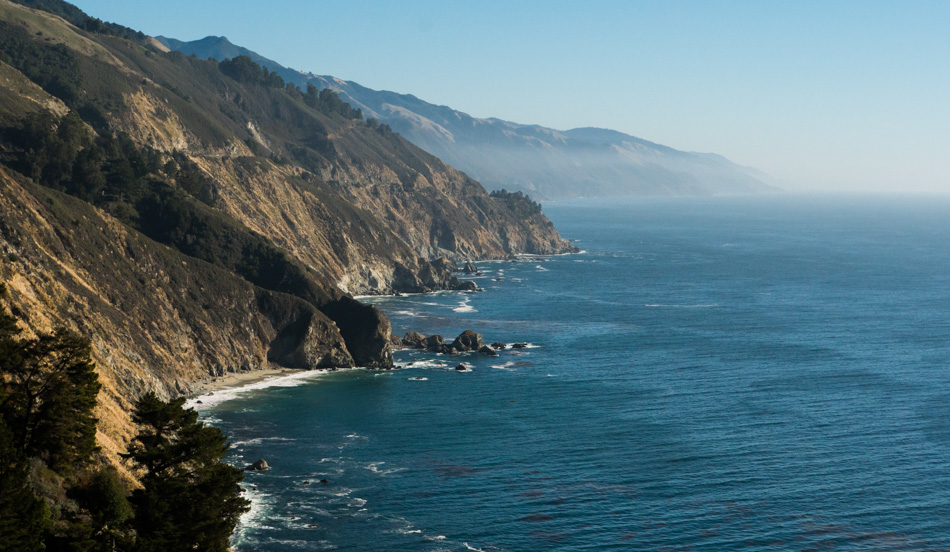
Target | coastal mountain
(193,218)
(544,162)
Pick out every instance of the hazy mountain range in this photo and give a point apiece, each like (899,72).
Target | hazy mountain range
(543,162)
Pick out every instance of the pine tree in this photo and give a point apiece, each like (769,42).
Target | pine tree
(49,397)
(24,519)
(190,499)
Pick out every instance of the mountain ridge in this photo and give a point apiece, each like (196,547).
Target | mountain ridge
(544,162)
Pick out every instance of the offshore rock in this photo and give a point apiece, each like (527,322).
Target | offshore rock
(468,341)
(260,465)
(415,340)
(498,346)
(435,343)
(470,268)
(486,350)
(466,285)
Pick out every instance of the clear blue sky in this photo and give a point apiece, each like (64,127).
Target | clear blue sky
(820,94)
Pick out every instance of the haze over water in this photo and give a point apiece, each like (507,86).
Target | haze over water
(710,374)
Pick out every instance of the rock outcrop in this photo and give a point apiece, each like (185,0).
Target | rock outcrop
(414,340)
(467,341)
(435,343)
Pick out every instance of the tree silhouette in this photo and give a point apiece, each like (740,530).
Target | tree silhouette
(190,499)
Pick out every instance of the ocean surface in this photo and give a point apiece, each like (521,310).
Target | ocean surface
(767,373)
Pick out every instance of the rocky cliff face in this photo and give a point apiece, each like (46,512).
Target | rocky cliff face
(194,219)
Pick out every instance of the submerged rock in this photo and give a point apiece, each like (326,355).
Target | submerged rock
(461,368)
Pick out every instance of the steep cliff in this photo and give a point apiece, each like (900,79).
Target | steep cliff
(196,218)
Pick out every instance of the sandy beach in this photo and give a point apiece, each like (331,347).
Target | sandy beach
(238,379)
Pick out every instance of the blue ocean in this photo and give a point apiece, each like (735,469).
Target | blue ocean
(746,373)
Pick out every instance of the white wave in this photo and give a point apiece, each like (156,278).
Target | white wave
(260,441)
(541,268)
(419,378)
(219,396)
(464,306)
(468,547)
(257,514)
(357,502)
(426,364)
(506,366)
(374,467)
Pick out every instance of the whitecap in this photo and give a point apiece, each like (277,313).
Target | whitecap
(357,502)
(374,467)
(464,306)
(261,440)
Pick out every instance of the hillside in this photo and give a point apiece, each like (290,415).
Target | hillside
(194,218)
(544,162)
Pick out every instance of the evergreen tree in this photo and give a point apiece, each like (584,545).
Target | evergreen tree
(24,519)
(190,499)
(51,389)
